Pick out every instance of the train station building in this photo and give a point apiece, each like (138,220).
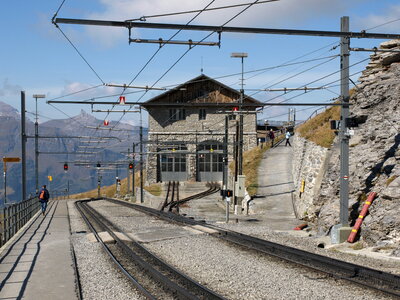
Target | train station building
(187,128)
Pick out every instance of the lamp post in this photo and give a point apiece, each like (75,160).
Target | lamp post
(36,96)
(239,138)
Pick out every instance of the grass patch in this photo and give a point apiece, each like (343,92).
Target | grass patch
(390,180)
(110,190)
(154,189)
(318,129)
(357,246)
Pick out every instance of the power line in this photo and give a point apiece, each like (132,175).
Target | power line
(392,21)
(144,18)
(80,54)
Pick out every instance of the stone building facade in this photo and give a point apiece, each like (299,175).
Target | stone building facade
(187,129)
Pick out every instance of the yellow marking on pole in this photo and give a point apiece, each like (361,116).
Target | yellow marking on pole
(360,216)
(368,203)
(354,230)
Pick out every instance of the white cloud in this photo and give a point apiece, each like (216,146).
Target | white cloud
(376,20)
(9,89)
(281,13)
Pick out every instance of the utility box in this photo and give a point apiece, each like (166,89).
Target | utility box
(240,186)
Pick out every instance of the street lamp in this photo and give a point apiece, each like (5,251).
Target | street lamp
(239,136)
(37,96)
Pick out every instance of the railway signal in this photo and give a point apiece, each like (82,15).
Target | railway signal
(65,167)
(130,166)
(98,165)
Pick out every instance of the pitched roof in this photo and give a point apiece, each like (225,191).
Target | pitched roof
(200,78)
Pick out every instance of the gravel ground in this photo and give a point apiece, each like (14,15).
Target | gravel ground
(99,278)
(310,244)
(231,271)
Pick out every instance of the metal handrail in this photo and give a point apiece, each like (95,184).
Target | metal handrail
(15,216)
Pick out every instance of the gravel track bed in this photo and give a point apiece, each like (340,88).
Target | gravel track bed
(310,244)
(239,274)
(231,271)
(128,219)
(99,277)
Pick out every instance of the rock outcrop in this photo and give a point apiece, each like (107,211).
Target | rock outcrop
(374,154)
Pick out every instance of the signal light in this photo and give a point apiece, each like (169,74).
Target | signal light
(235,109)
(65,167)
(106,122)
(131,166)
(98,165)
(229,193)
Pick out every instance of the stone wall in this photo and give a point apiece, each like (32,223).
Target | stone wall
(191,131)
(309,161)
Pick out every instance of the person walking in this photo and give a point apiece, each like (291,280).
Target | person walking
(44,198)
(271,136)
(287,139)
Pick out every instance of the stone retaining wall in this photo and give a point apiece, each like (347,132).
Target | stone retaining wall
(308,165)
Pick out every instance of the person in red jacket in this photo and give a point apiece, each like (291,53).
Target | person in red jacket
(44,198)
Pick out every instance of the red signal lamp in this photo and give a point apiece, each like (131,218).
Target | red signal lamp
(106,122)
(65,167)
(235,109)
(131,166)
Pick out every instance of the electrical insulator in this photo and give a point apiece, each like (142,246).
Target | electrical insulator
(106,122)
(122,100)
(65,167)
(131,166)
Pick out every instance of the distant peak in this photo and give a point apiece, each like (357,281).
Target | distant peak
(7,110)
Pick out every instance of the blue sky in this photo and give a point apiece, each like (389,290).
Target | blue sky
(36,58)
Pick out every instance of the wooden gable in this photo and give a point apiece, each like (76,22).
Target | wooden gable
(200,90)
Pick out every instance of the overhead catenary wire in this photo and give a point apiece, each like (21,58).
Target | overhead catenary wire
(194,45)
(144,18)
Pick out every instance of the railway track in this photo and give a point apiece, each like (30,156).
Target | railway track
(172,201)
(357,274)
(154,278)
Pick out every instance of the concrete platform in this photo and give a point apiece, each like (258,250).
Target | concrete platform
(37,263)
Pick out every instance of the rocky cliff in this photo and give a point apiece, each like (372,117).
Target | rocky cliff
(374,155)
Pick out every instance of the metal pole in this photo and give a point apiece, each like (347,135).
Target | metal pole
(240,167)
(133,170)
(225,159)
(344,114)
(36,150)
(5,182)
(141,161)
(235,199)
(23,145)
(98,183)
(128,182)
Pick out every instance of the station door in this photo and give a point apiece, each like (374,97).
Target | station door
(210,162)
(173,166)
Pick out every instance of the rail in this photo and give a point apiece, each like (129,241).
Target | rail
(374,279)
(15,216)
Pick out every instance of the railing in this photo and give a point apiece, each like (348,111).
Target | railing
(15,216)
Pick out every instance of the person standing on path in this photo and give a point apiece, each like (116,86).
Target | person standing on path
(44,198)
(271,136)
(287,139)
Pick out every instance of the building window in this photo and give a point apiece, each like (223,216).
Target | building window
(202,114)
(176,114)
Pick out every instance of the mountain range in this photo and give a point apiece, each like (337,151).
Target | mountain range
(59,136)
